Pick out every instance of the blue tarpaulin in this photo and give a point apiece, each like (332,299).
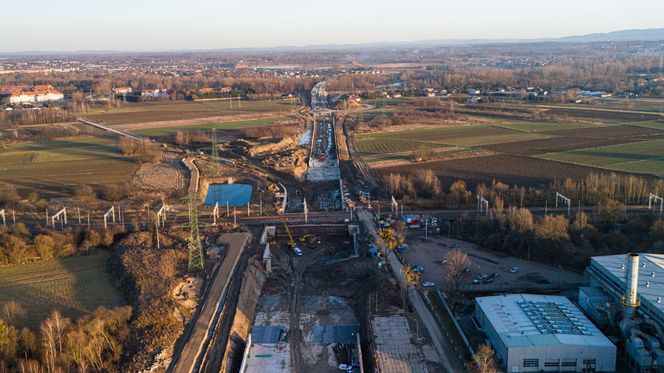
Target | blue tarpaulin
(233,194)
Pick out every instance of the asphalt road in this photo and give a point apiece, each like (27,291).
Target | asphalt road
(188,357)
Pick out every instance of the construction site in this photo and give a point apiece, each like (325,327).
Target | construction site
(294,290)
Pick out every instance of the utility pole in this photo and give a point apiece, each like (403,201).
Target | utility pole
(196,262)
(214,153)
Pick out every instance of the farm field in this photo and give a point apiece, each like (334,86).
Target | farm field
(659,125)
(641,157)
(521,152)
(166,111)
(474,135)
(543,126)
(640,104)
(232,125)
(51,166)
(601,113)
(502,167)
(75,286)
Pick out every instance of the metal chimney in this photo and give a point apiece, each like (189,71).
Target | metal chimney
(630,300)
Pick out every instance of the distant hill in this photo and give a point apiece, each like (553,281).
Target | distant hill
(653,34)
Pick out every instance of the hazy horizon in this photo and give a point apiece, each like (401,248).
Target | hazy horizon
(169,25)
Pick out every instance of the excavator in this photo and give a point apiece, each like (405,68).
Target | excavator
(291,242)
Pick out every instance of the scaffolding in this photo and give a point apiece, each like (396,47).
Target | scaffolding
(565,200)
(111,212)
(482,205)
(59,217)
(652,202)
(161,214)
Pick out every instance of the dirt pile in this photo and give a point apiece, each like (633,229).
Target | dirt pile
(167,174)
(294,163)
(187,292)
(270,146)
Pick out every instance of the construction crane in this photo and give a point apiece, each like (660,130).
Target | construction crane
(291,242)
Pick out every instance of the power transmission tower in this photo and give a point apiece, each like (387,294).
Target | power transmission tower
(214,153)
(196,262)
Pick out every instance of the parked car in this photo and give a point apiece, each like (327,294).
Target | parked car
(345,367)
(297,251)
(416,268)
(428,284)
(514,269)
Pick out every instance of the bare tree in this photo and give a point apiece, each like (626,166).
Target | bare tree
(13,313)
(52,330)
(456,261)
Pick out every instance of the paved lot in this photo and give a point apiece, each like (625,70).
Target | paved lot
(484,261)
(394,348)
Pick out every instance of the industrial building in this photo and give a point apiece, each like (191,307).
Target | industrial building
(533,333)
(626,295)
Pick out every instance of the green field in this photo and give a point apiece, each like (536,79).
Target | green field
(658,125)
(178,110)
(642,157)
(74,285)
(367,146)
(49,165)
(475,135)
(153,132)
(543,126)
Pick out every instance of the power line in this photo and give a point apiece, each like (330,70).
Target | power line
(214,153)
(196,262)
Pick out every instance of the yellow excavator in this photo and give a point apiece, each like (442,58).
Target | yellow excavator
(291,242)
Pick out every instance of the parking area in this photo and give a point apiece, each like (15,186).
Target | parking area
(493,265)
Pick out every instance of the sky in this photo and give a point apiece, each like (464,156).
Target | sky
(162,25)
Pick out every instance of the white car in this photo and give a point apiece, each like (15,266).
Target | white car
(428,284)
(345,367)
(297,251)
(514,269)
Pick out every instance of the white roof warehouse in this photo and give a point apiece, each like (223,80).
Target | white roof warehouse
(532,333)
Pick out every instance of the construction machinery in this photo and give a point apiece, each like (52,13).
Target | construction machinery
(291,242)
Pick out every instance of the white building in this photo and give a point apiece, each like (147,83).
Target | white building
(533,333)
(35,94)
(122,90)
